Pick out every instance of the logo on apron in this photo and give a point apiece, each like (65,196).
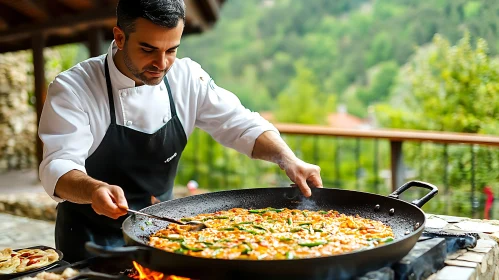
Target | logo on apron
(170,158)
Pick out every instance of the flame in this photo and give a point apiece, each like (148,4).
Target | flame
(147,274)
(173,277)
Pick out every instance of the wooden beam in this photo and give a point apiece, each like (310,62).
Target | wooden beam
(69,22)
(194,16)
(211,9)
(13,17)
(79,5)
(95,41)
(3,24)
(71,28)
(78,36)
(29,8)
(57,9)
(112,3)
(38,42)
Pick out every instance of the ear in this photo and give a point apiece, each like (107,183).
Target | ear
(119,37)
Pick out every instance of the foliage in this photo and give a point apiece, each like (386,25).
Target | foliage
(341,42)
(298,59)
(453,88)
(363,53)
(301,101)
(450,88)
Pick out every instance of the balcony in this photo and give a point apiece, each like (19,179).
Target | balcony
(372,160)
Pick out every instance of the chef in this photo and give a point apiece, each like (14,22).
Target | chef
(114,127)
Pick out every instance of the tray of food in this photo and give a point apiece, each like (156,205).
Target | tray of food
(17,262)
(115,267)
(59,273)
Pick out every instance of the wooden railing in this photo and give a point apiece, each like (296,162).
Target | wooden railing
(396,138)
(372,160)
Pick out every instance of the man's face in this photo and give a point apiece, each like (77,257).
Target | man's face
(150,50)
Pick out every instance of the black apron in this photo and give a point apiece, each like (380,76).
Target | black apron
(144,165)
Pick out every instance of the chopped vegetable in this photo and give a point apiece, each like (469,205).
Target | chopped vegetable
(260,227)
(227,229)
(184,246)
(270,233)
(312,244)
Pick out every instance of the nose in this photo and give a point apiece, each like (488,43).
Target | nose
(160,61)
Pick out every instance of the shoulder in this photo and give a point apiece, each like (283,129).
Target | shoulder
(80,76)
(186,68)
(186,64)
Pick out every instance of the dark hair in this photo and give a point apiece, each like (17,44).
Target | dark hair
(165,13)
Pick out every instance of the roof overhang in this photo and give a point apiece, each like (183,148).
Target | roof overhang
(69,21)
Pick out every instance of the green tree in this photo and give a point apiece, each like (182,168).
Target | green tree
(251,93)
(449,88)
(379,87)
(453,88)
(302,101)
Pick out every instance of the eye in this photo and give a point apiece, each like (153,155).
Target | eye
(172,51)
(147,50)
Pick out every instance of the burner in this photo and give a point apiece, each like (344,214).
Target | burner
(426,258)
(455,240)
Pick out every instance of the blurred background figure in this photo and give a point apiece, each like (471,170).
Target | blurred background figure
(192,186)
(489,201)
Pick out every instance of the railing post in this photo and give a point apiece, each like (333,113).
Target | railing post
(337,163)
(446,178)
(357,164)
(196,155)
(474,201)
(375,166)
(226,168)
(397,164)
(316,150)
(422,163)
(210,155)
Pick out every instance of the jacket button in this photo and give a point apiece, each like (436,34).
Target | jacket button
(165,119)
(128,123)
(123,94)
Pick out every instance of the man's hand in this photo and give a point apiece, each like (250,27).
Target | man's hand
(304,175)
(109,200)
(78,187)
(269,146)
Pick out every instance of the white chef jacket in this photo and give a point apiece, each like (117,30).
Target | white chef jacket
(76,116)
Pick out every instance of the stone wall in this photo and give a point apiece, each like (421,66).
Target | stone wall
(17,116)
(18,123)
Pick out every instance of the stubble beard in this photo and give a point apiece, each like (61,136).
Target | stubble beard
(141,75)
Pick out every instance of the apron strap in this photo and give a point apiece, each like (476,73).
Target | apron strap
(110,94)
(172,105)
(111,99)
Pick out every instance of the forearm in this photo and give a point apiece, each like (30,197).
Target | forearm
(77,187)
(269,146)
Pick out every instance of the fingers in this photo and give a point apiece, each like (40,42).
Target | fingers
(119,198)
(302,184)
(315,179)
(304,176)
(105,201)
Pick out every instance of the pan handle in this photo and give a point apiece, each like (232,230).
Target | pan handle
(418,202)
(106,251)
